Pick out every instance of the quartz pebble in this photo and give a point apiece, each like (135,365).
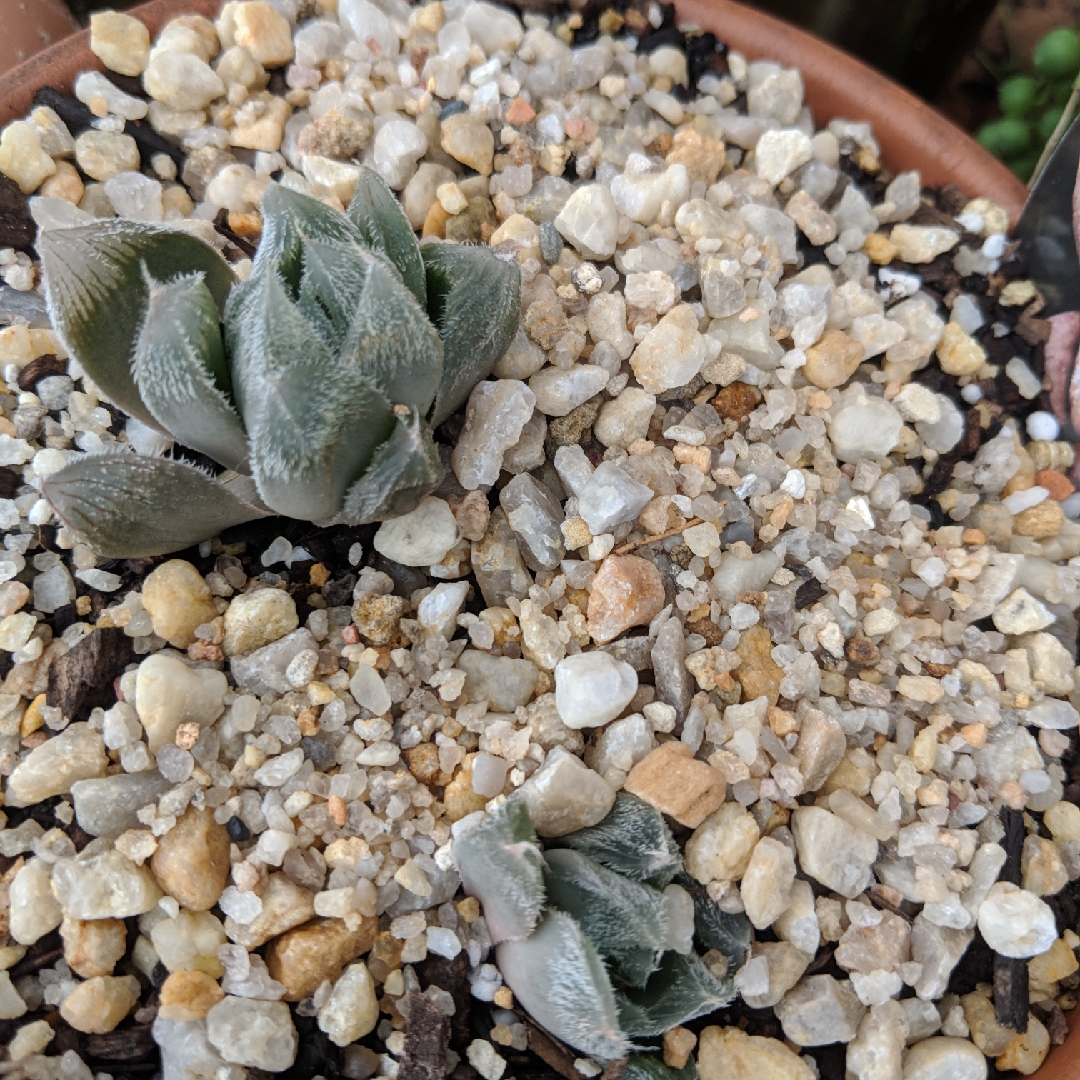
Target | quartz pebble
(767,881)
(833,852)
(93,947)
(178,600)
(108,805)
(77,753)
(352,1009)
(725,1052)
(106,885)
(589,221)
(189,995)
(120,41)
(420,538)
(592,688)
(496,414)
(169,693)
(34,909)
(944,1058)
(564,795)
(257,1034)
(255,619)
(1015,922)
(627,591)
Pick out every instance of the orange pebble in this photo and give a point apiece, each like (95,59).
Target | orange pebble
(520,112)
(974,735)
(1057,483)
(973,537)
(1013,795)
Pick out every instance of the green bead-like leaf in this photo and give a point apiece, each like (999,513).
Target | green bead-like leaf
(404,469)
(560,980)
(181,373)
(500,864)
(651,1067)
(634,840)
(380,218)
(97,293)
(682,989)
(623,919)
(131,507)
(290,218)
(314,421)
(474,298)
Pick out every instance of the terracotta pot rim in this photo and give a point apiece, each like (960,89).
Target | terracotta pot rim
(912,136)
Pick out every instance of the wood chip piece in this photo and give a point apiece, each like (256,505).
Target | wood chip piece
(82,678)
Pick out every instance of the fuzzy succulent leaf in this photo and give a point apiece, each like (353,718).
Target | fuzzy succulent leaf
(474,299)
(290,218)
(500,864)
(380,219)
(314,421)
(633,840)
(130,506)
(97,293)
(557,976)
(729,934)
(624,919)
(404,469)
(181,373)
(392,340)
(651,1067)
(680,990)
(366,314)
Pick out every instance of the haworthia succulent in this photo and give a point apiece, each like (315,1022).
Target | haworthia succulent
(97,293)
(401,472)
(289,219)
(633,840)
(652,1067)
(381,221)
(680,990)
(560,979)
(180,371)
(473,297)
(129,506)
(393,342)
(500,864)
(324,378)
(623,919)
(314,421)
(728,933)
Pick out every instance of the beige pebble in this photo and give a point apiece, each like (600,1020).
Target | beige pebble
(99,1004)
(257,618)
(304,957)
(192,860)
(178,600)
(670,779)
(121,42)
(188,995)
(93,946)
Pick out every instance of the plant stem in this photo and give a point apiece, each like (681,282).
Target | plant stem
(1062,126)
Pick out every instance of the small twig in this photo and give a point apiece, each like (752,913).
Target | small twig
(1062,126)
(627,548)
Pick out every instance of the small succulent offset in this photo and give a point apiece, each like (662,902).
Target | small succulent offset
(316,383)
(596,935)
